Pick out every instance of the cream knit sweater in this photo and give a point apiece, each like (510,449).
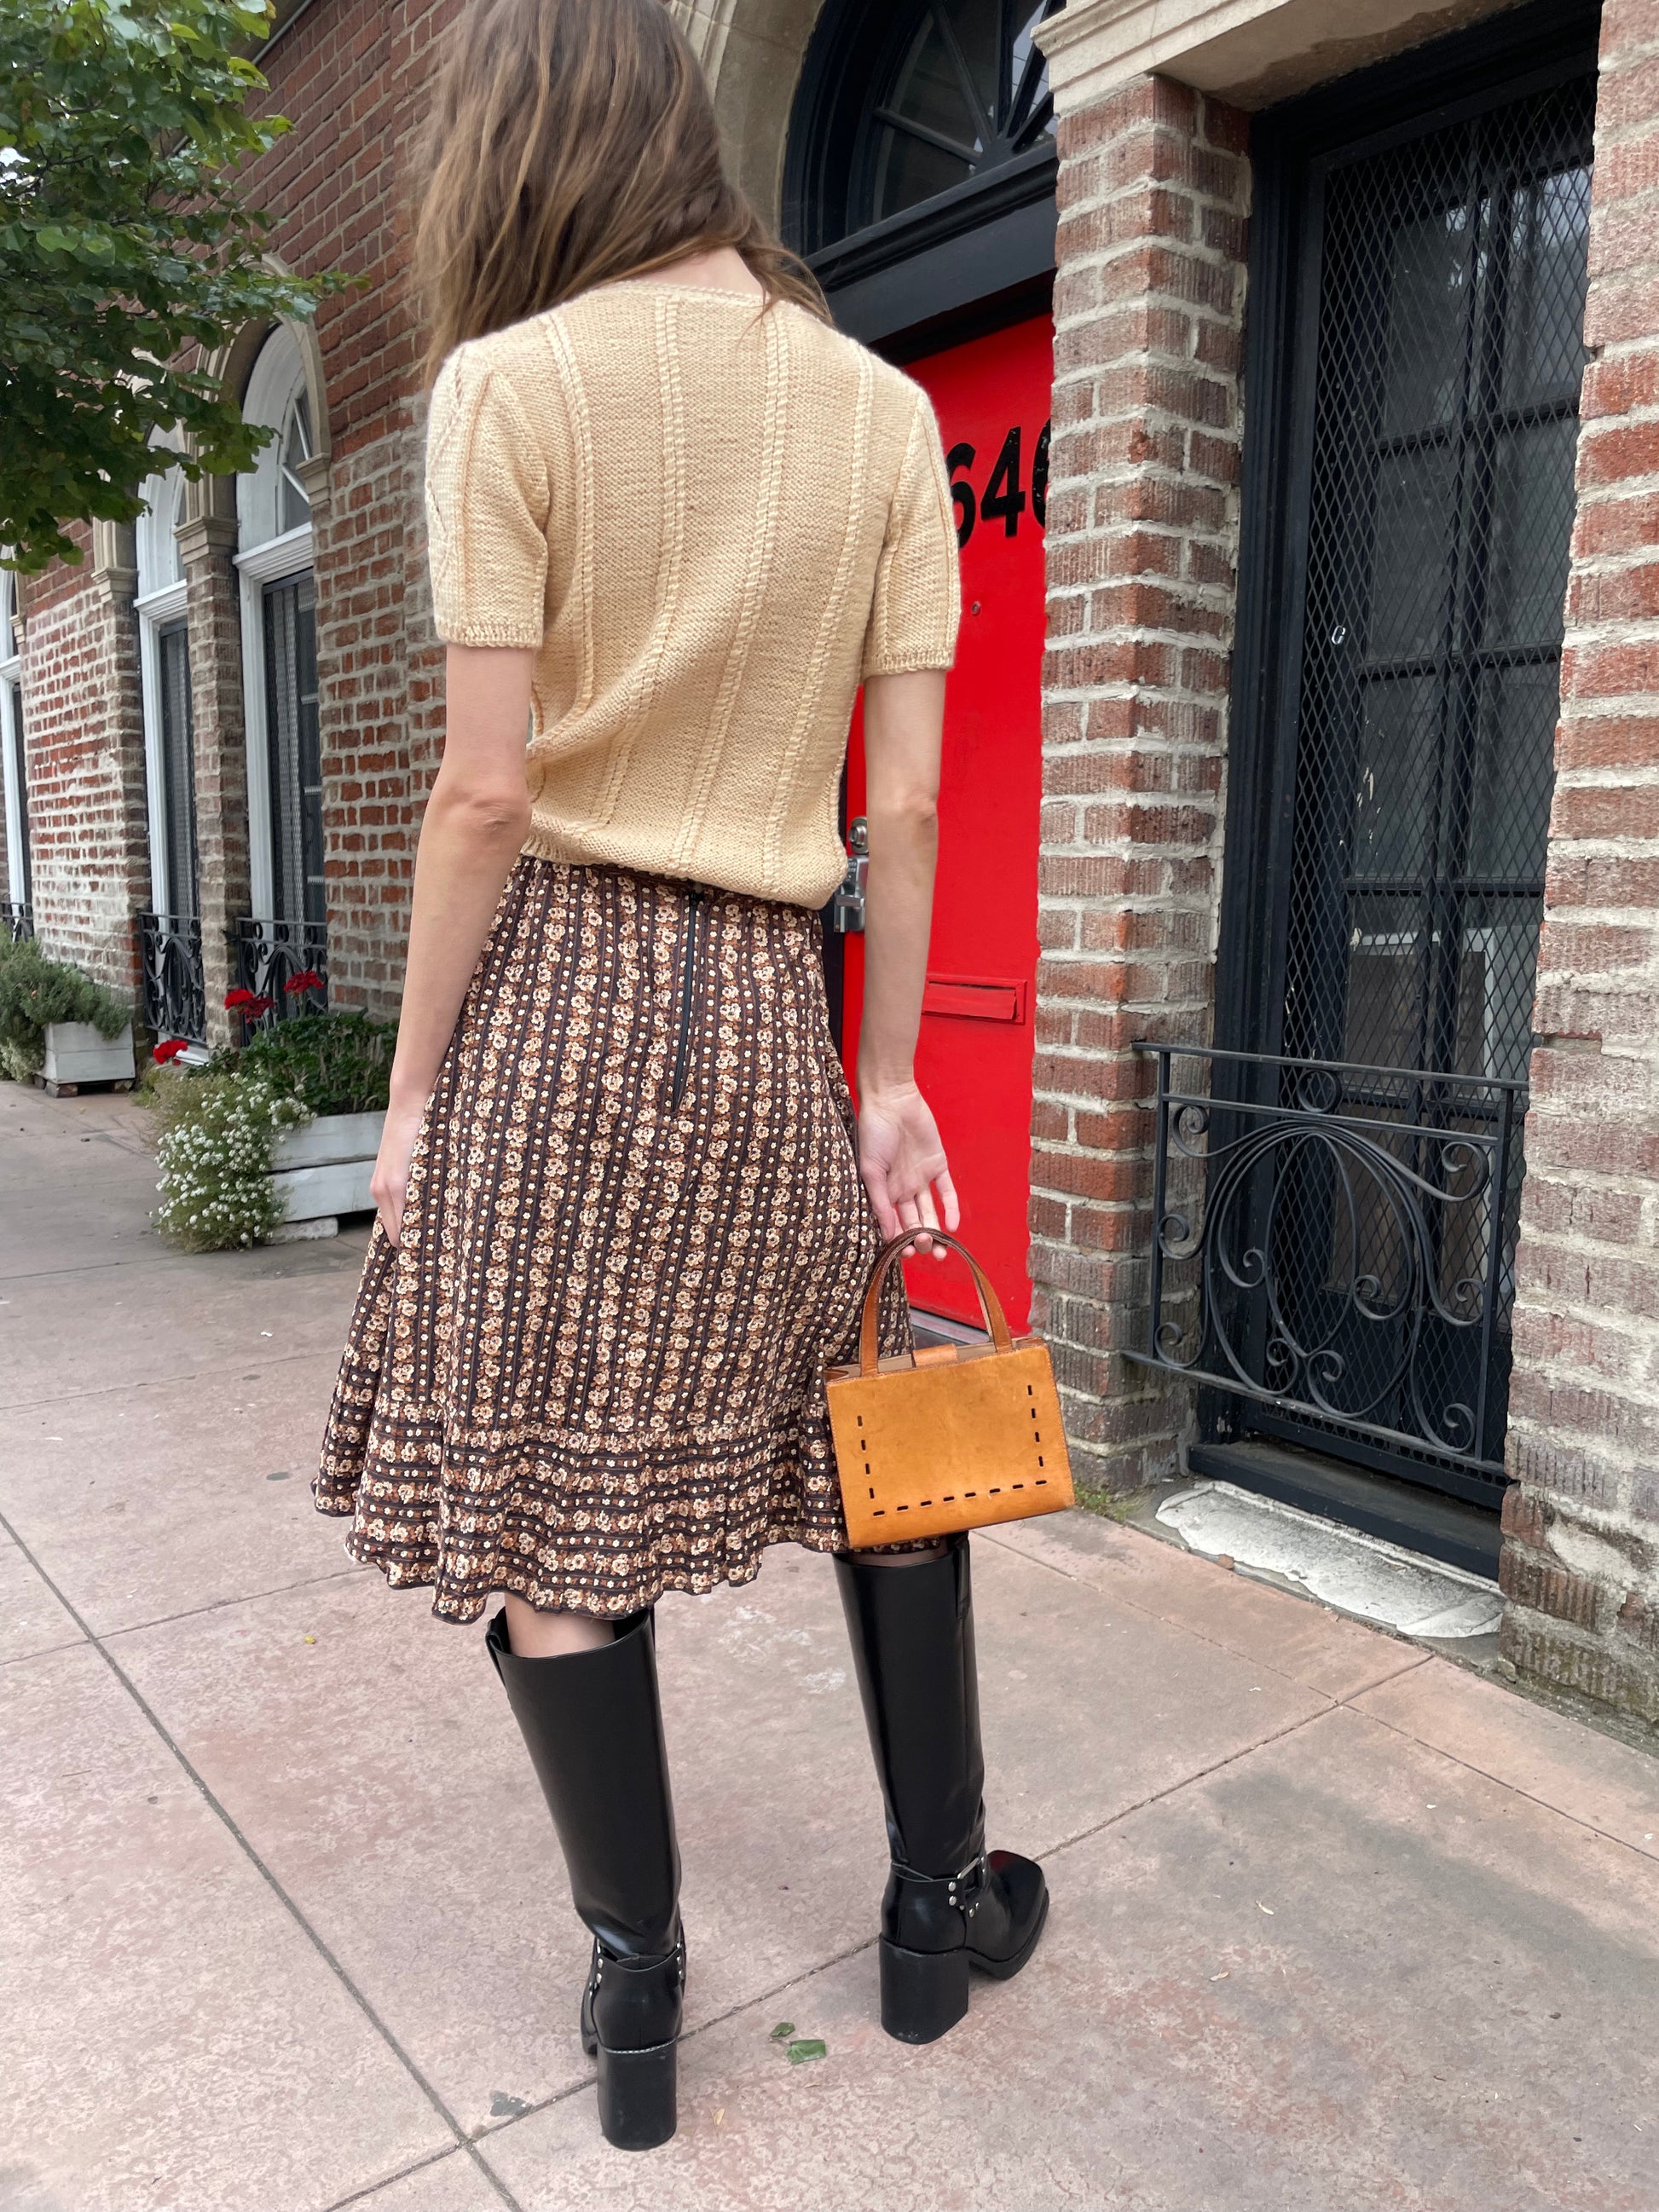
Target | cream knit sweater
(711,521)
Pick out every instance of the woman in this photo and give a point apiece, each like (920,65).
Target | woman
(674,519)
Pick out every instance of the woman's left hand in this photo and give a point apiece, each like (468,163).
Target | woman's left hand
(389,1184)
(903,1163)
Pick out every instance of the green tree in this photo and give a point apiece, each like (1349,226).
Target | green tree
(126,250)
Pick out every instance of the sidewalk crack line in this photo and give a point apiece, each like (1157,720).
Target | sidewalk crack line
(222,1813)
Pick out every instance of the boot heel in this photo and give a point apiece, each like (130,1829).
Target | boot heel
(638,2106)
(923,1993)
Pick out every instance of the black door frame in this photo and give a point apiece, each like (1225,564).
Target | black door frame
(1450,79)
(969,261)
(1494,62)
(1527,49)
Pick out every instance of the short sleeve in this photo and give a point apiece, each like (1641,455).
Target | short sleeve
(487,502)
(917,604)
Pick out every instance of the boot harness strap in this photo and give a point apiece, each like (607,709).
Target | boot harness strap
(602,1959)
(960,1889)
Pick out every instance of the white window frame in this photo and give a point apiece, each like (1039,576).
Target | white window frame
(155,609)
(273,563)
(278,380)
(11,743)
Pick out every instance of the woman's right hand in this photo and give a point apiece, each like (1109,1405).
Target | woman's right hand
(904,1165)
(389,1184)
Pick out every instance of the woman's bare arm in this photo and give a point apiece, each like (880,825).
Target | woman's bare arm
(900,1155)
(475,823)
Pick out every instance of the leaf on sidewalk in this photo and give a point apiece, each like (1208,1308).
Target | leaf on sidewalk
(783,2031)
(807,2046)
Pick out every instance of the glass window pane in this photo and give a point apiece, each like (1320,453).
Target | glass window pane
(1383,1022)
(1549,232)
(1412,556)
(1514,774)
(178,768)
(1427,280)
(1394,797)
(1531,532)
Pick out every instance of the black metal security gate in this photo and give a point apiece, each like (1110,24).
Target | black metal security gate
(1338,1193)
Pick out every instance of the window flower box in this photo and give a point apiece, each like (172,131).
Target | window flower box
(77,1054)
(322,1169)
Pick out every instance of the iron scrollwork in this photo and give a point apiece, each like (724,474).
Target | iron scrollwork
(282,969)
(173,993)
(1336,1240)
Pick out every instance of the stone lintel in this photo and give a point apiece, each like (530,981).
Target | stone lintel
(1249,53)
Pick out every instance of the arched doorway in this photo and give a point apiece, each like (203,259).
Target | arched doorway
(920,183)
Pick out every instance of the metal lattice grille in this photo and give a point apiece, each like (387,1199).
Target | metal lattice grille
(1451,350)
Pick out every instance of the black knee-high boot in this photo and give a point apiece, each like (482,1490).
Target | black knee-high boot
(948,1906)
(593,1726)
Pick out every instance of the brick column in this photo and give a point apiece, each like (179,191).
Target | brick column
(84,737)
(213,609)
(380,670)
(1581,1565)
(1142,538)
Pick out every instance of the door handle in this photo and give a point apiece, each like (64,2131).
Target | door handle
(847,909)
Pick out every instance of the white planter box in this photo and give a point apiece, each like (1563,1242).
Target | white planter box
(77,1053)
(324,1168)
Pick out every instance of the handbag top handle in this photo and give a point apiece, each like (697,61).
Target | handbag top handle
(995,1320)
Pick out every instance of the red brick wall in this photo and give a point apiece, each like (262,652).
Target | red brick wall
(1142,536)
(83,745)
(351,77)
(1581,1565)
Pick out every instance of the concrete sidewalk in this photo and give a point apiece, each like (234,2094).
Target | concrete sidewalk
(1335,1924)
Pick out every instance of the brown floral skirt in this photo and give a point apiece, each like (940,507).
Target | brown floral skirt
(635,1236)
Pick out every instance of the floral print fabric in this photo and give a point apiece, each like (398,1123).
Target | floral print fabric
(592,1371)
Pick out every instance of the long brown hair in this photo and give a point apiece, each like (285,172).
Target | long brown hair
(573,142)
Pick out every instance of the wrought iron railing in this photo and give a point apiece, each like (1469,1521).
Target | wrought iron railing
(281,968)
(1337,1243)
(172,990)
(17,918)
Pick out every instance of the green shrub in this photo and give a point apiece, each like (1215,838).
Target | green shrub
(215,1152)
(35,992)
(333,1063)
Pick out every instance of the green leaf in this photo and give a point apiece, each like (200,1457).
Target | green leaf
(806,2048)
(127,250)
(783,2031)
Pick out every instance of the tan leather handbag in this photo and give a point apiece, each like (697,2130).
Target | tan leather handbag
(959,1437)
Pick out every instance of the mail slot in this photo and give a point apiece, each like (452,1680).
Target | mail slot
(974,997)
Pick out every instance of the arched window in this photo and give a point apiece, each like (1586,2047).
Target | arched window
(279,665)
(900,105)
(169,749)
(271,500)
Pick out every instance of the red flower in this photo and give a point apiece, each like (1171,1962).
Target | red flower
(239,997)
(307,980)
(169,1049)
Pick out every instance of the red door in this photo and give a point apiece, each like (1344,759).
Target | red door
(974,1060)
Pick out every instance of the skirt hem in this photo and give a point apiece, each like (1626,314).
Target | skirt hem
(463,1608)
